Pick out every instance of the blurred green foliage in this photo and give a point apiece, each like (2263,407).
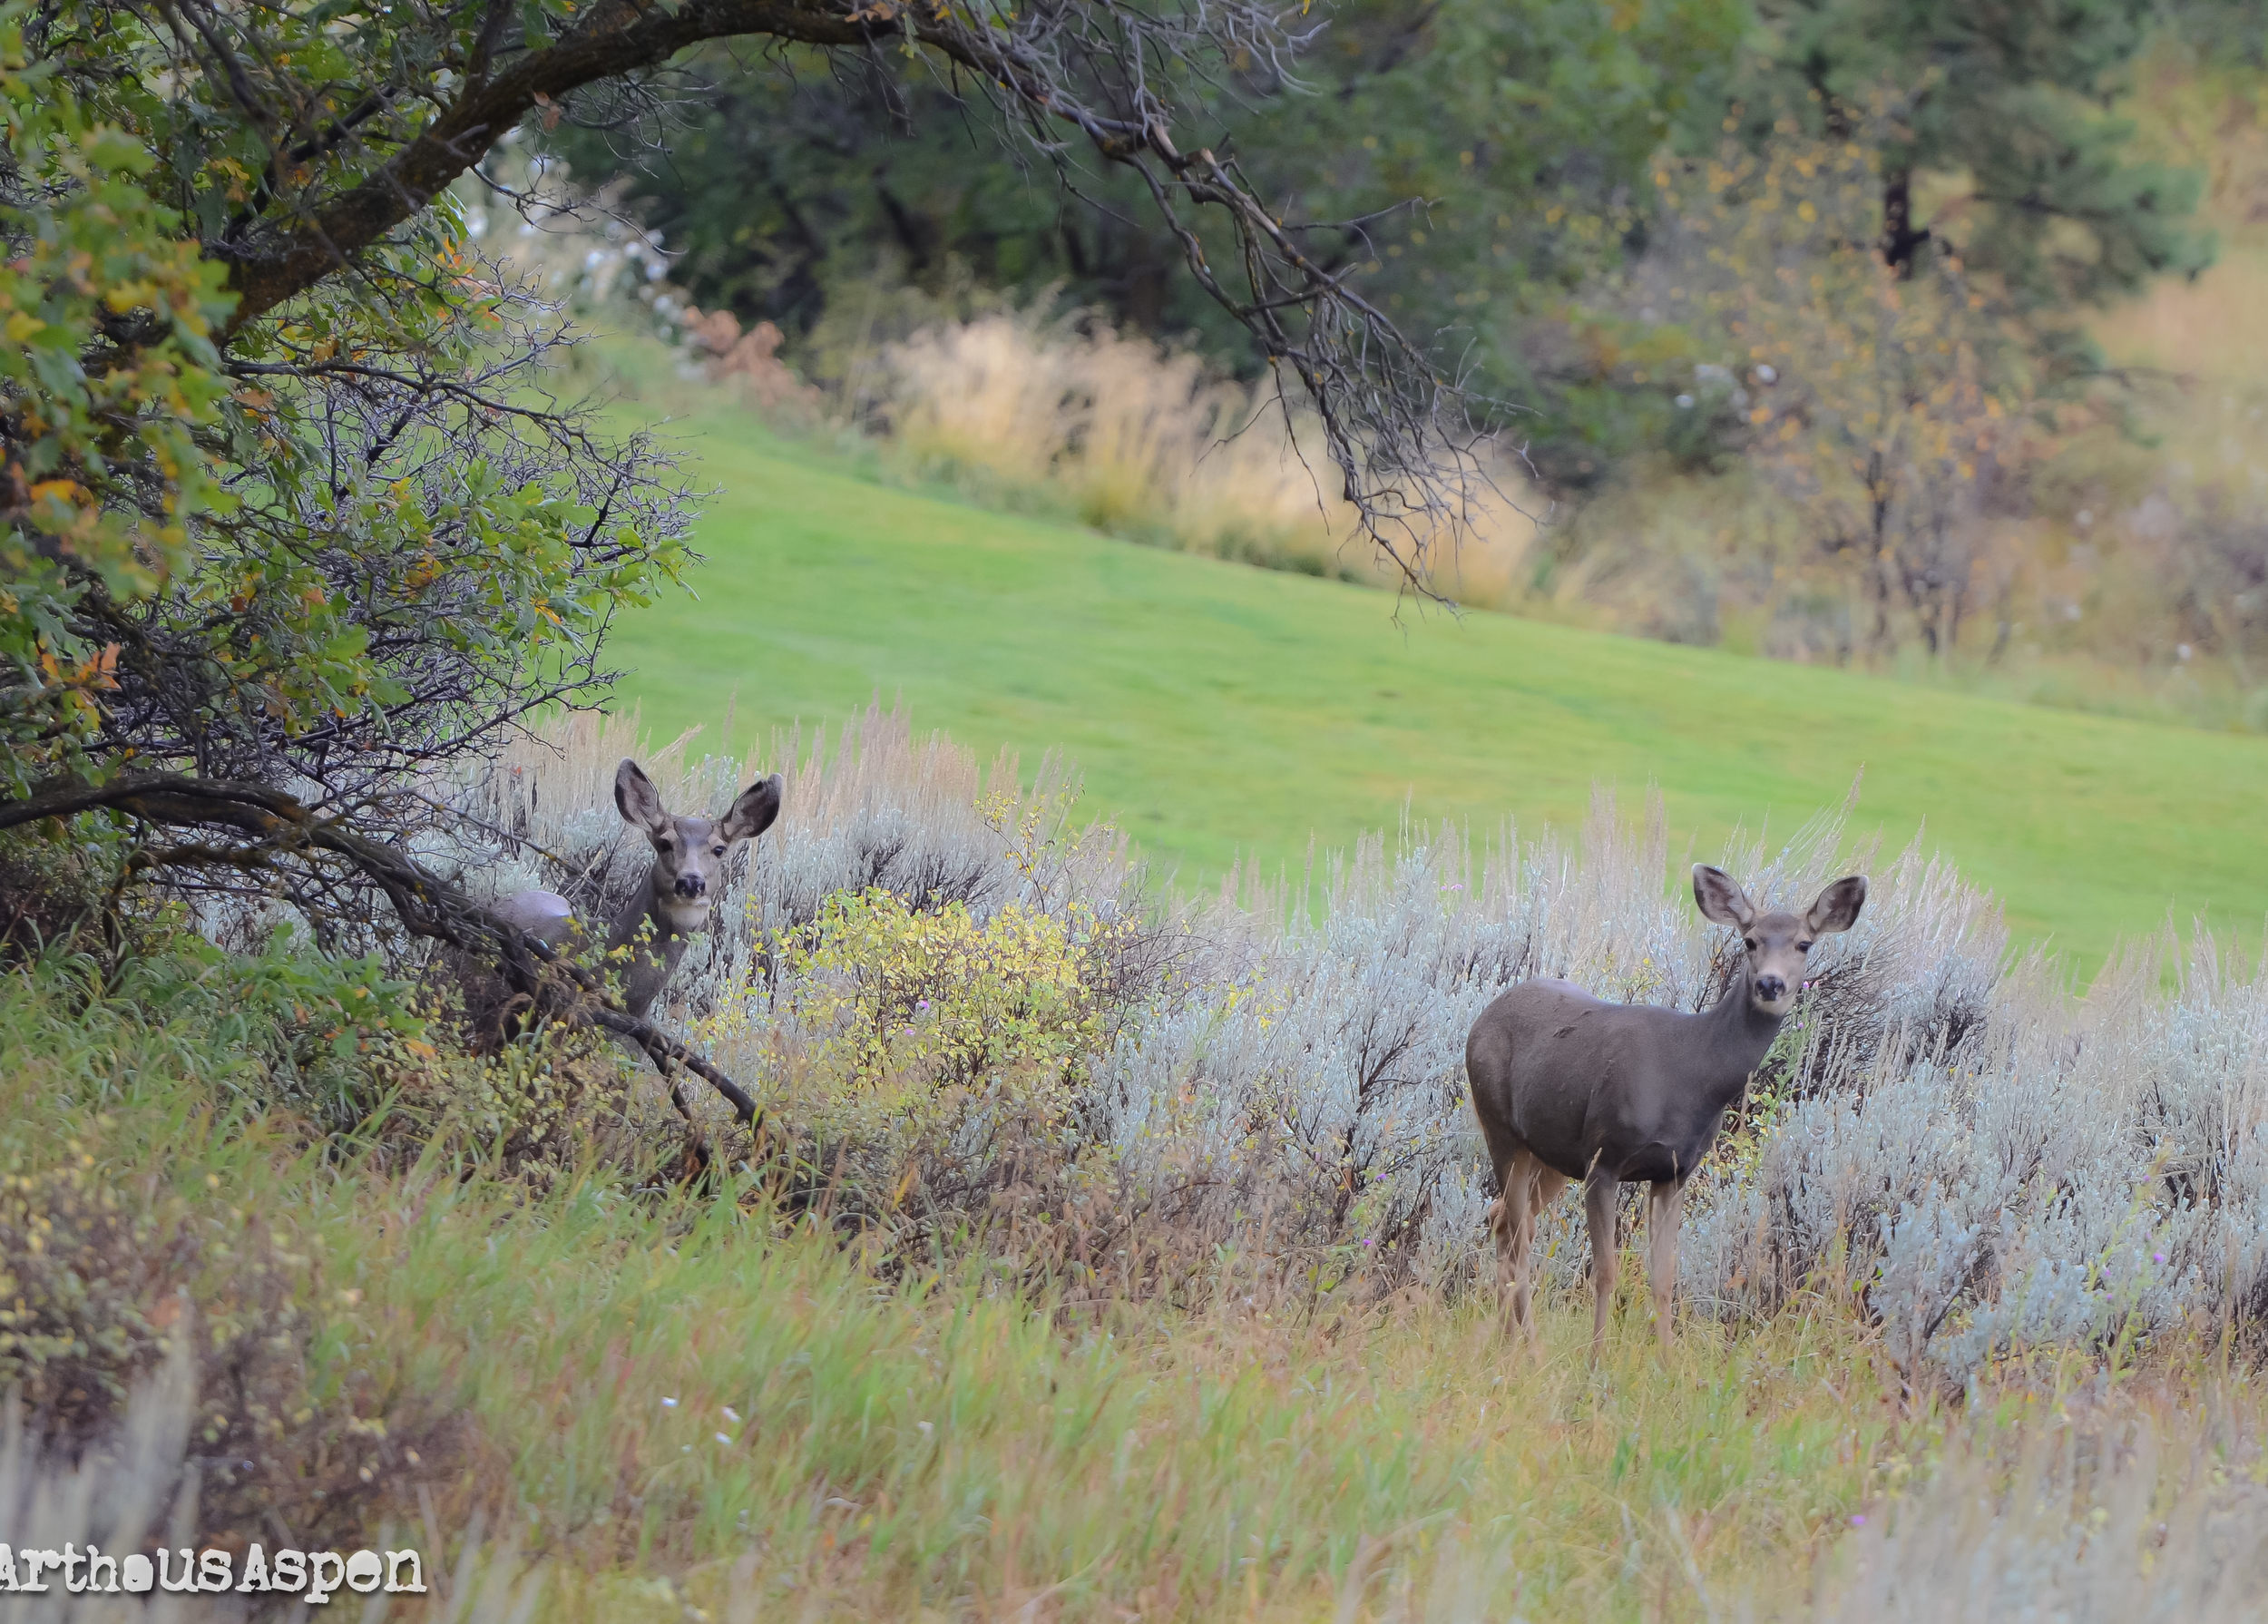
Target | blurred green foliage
(1486,157)
(2011,96)
(1492,161)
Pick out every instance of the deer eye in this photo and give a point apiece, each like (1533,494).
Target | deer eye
(719,850)
(1803,947)
(1749,942)
(662,842)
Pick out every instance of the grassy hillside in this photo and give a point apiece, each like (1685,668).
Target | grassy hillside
(1219,711)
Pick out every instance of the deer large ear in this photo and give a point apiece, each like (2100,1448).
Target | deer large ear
(1838,906)
(638,801)
(753,813)
(1720,899)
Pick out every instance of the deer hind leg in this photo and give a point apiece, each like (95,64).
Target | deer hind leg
(1528,1184)
(1543,1189)
(1665,1203)
(1501,1233)
(1599,1193)
(1504,1228)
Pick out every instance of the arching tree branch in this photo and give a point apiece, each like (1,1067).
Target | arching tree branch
(1114,74)
(270,825)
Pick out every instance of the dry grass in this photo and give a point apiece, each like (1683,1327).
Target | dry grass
(1014,408)
(1145,441)
(2145,1507)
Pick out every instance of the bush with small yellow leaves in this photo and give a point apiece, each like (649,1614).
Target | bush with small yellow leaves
(81,1271)
(931,1050)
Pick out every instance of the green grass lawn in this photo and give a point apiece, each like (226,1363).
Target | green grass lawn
(1218,711)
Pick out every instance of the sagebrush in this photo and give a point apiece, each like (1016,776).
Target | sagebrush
(1980,1163)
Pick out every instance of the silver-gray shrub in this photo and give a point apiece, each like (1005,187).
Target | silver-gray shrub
(881,808)
(1980,1160)
(2080,1171)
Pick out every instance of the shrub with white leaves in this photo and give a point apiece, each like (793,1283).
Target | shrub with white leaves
(1970,1157)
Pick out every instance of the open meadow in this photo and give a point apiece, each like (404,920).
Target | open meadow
(1220,713)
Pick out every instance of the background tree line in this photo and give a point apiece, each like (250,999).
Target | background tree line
(1497,159)
(1563,200)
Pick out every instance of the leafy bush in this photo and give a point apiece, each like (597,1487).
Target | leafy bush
(898,1002)
(927,1061)
(79,1267)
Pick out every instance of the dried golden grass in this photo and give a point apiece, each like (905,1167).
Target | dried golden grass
(1145,441)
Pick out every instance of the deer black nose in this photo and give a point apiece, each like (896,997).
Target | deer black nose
(691,885)
(1769,988)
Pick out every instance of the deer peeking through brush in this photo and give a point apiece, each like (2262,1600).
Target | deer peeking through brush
(673,900)
(1568,1088)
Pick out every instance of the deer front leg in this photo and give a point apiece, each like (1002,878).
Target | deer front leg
(1665,1203)
(1599,1193)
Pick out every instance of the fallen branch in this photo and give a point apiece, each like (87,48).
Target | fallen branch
(276,825)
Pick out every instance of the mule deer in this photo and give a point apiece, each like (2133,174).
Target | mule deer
(688,863)
(673,899)
(1567,1087)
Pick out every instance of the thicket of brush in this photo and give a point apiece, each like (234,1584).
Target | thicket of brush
(962,1008)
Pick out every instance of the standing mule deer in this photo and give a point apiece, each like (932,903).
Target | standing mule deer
(1568,1088)
(673,899)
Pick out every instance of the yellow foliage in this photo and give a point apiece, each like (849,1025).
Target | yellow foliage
(897,1027)
(908,1001)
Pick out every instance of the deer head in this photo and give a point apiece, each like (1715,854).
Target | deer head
(1774,945)
(688,853)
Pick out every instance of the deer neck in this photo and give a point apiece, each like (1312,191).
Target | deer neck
(1739,1035)
(666,919)
(652,924)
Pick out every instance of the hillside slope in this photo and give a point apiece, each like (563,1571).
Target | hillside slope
(1219,711)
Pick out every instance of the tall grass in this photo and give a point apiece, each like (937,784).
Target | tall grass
(2128,1516)
(679,1395)
(1149,442)
(704,1403)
